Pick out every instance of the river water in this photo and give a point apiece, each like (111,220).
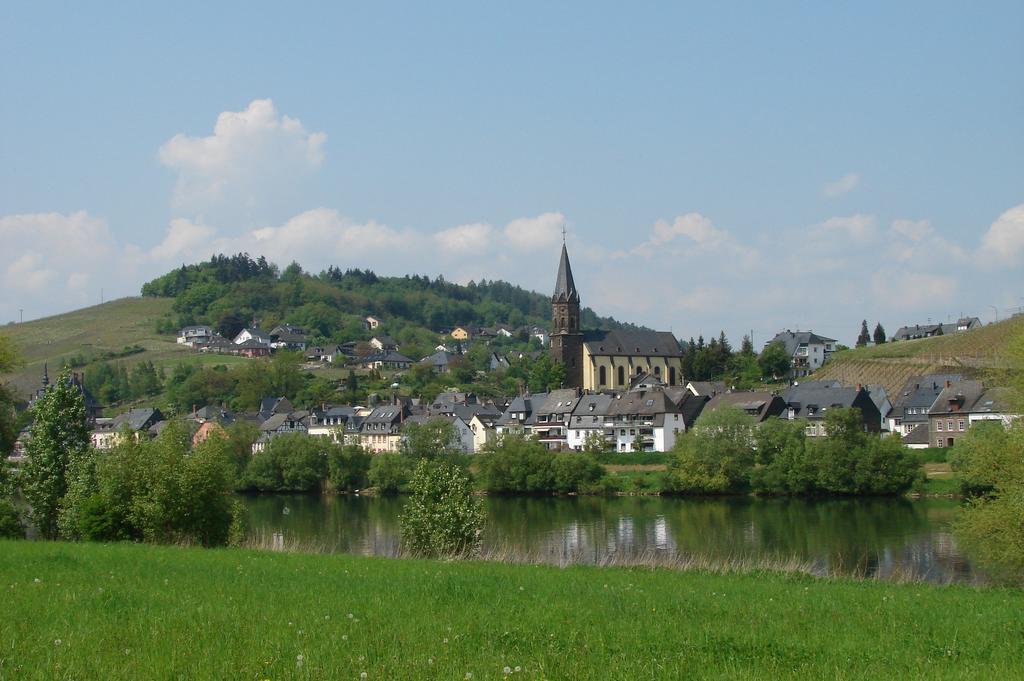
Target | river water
(866,537)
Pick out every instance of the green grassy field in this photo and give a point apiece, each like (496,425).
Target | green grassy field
(92,331)
(140,612)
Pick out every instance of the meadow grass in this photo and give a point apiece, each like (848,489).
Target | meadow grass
(141,612)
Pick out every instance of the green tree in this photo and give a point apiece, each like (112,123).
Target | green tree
(715,457)
(442,516)
(435,439)
(348,467)
(774,361)
(9,359)
(783,464)
(59,435)
(389,472)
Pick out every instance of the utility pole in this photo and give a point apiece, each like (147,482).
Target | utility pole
(21,315)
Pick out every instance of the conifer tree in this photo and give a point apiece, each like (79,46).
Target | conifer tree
(879,335)
(864,338)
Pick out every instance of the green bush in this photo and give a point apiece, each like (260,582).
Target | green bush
(515,464)
(157,491)
(348,467)
(442,517)
(716,457)
(292,462)
(389,472)
(10,524)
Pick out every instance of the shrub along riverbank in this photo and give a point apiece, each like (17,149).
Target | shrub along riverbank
(124,611)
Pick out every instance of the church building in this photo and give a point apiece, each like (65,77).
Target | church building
(606,360)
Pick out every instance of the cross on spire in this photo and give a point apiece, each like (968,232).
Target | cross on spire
(563,233)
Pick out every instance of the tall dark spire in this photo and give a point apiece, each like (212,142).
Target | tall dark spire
(565,287)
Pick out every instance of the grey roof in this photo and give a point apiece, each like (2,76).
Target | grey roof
(958,397)
(708,388)
(524,404)
(623,342)
(791,340)
(272,405)
(596,405)
(558,402)
(642,403)
(137,419)
(814,401)
(565,287)
(918,436)
(691,407)
(763,404)
(440,358)
(921,391)
(213,413)
(390,356)
(994,401)
(918,331)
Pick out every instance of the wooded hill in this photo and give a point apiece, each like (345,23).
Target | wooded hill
(228,292)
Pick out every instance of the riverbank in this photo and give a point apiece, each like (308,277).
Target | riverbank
(141,612)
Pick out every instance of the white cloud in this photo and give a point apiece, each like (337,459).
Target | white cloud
(857,227)
(183,237)
(692,226)
(464,239)
(252,157)
(901,290)
(537,233)
(1003,242)
(915,230)
(841,187)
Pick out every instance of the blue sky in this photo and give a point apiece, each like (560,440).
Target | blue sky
(741,166)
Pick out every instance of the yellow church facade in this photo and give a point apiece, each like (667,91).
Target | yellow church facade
(611,359)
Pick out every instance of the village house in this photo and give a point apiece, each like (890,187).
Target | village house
(288,337)
(949,416)
(929,330)
(253,333)
(463,333)
(482,425)
(807,350)
(384,361)
(811,403)
(995,404)
(551,417)
(439,361)
(914,400)
(760,405)
(463,432)
(371,322)
(384,343)
(195,335)
(281,424)
(252,348)
(706,388)
(107,433)
(587,420)
(329,422)
(643,421)
(381,430)
(519,414)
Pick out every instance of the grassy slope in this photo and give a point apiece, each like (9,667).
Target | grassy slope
(891,364)
(92,330)
(139,612)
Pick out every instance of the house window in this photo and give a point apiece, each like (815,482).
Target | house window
(961,424)
(657,371)
(949,426)
(938,426)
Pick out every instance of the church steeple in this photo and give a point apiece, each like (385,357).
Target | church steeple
(565,287)
(566,339)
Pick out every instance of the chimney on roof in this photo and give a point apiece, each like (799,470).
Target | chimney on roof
(949,384)
(859,387)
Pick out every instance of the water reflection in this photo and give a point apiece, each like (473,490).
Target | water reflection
(883,537)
